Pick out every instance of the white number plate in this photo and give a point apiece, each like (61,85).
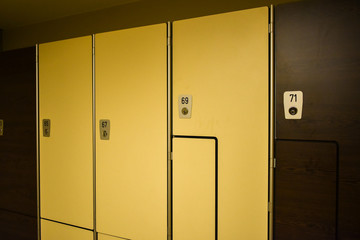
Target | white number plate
(293,104)
(185,106)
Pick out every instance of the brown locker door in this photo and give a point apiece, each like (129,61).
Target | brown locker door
(305,190)
(57,231)
(317,52)
(18,145)
(16,226)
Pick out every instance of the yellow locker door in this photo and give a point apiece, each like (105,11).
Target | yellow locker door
(56,231)
(194,189)
(222,62)
(107,237)
(65,98)
(131,164)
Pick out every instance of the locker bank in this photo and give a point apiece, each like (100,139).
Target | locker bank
(234,124)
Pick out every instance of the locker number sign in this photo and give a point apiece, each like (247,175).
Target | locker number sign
(104,129)
(46,127)
(293,104)
(185,106)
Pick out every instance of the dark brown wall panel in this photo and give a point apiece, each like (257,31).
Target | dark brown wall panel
(18,143)
(1,40)
(317,52)
(16,226)
(306,178)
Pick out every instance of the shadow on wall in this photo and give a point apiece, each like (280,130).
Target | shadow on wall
(1,40)
(140,13)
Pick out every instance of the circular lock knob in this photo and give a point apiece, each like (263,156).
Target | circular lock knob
(293,111)
(184,111)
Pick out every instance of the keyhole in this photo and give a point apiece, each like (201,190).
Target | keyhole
(184,111)
(293,111)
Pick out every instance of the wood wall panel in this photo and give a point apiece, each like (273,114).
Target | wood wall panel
(18,144)
(15,226)
(317,52)
(306,178)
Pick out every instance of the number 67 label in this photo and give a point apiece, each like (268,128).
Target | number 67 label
(185,106)
(293,104)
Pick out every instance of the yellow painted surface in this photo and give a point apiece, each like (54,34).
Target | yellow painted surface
(107,237)
(193,189)
(222,61)
(131,166)
(65,95)
(56,231)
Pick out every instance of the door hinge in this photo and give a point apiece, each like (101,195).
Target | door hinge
(168,41)
(271,27)
(1,127)
(270,207)
(272,163)
(170,156)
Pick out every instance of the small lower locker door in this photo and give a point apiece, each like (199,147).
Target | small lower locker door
(194,189)
(107,237)
(305,190)
(17,226)
(57,231)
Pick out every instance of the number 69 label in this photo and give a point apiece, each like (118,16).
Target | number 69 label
(185,106)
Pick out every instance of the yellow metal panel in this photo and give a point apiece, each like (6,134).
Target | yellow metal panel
(193,189)
(131,165)
(56,231)
(107,237)
(65,95)
(222,61)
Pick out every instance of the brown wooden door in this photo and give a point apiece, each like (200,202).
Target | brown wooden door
(18,205)
(306,178)
(318,53)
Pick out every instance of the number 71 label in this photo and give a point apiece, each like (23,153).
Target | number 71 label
(293,104)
